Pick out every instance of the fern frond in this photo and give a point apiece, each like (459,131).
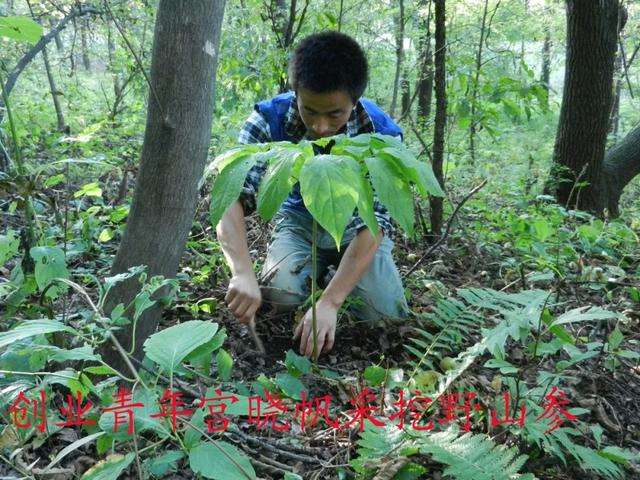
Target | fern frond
(473,457)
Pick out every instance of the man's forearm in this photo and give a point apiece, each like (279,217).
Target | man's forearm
(232,235)
(354,264)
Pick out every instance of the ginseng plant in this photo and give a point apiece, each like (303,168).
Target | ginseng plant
(332,184)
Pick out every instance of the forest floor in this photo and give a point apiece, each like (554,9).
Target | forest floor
(609,396)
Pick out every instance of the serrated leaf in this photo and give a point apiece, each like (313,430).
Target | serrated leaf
(275,184)
(109,468)
(394,193)
(228,185)
(418,172)
(221,462)
(328,184)
(20,28)
(170,346)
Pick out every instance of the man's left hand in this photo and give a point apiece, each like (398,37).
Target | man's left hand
(326,317)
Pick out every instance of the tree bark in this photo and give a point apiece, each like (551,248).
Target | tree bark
(545,78)
(86,62)
(441,114)
(476,84)
(177,134)
(621,165)
(54,91)
(578,178)
(399,58)
(425,76)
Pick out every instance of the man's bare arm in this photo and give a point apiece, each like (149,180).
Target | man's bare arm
(354,264)
(243,295)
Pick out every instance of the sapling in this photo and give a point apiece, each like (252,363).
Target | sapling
(336,176)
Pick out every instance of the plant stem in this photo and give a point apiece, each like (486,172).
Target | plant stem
(314,286)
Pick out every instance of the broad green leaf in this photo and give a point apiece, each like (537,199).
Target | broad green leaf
(81,353)
(191,435)
(8,246)
(89,190)
(20,28)
(31,328)
(615,338)
(297,365)
(375,375)
(225,365)
(141,417)
(105,235)
(228,185)
(206,348)
(328,184)
(170,346)
(275,185)
(50,264)
(290,385)
(221,461)
(159,466)
(365,205)
(584,314)
(393,192)
(419,173)
(110,468)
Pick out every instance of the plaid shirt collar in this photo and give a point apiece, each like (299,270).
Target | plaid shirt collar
(359,122)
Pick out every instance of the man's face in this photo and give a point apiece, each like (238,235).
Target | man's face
(324,114)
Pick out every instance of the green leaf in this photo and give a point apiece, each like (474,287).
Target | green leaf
(328,184)
(50,264)
(297,365)
(80,353)
(228,184)
(504,366)
(89,190)
(205,349)
(109,469)
(584,314)
(275,184)
(141,417)
(170,346)
(394,193)
(20,28)
(375,375)
(290,385)
(365,205)
(225,365)
(8,246)
(221,461)
(419,173)
(159,466)
(105,235)
(615,338)
(31,328)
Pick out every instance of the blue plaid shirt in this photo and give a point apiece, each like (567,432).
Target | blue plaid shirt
(256,130)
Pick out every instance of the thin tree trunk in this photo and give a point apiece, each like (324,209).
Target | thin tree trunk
(86,62)
(545,78)
(425,78)
(54,91)
(614,119)
(475,86)
(177,134)
(399,57)
(441,113)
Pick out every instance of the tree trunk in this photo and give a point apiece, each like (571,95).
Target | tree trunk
(399,57)
(577,177)
(54,91)
(177,134)
(614,118)
(621,165)
(476,84)
(425,75)
(405,89)
(85,48)
(441,114)
(545,78)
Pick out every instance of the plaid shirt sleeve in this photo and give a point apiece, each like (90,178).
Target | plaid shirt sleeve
(382,216)
(255,130)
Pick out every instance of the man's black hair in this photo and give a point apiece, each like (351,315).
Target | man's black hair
(329,61)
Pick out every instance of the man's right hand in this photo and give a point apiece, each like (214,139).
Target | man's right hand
(243,297)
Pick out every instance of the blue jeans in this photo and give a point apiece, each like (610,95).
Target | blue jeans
(286,275)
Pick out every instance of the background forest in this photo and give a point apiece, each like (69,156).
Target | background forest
(523,280)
